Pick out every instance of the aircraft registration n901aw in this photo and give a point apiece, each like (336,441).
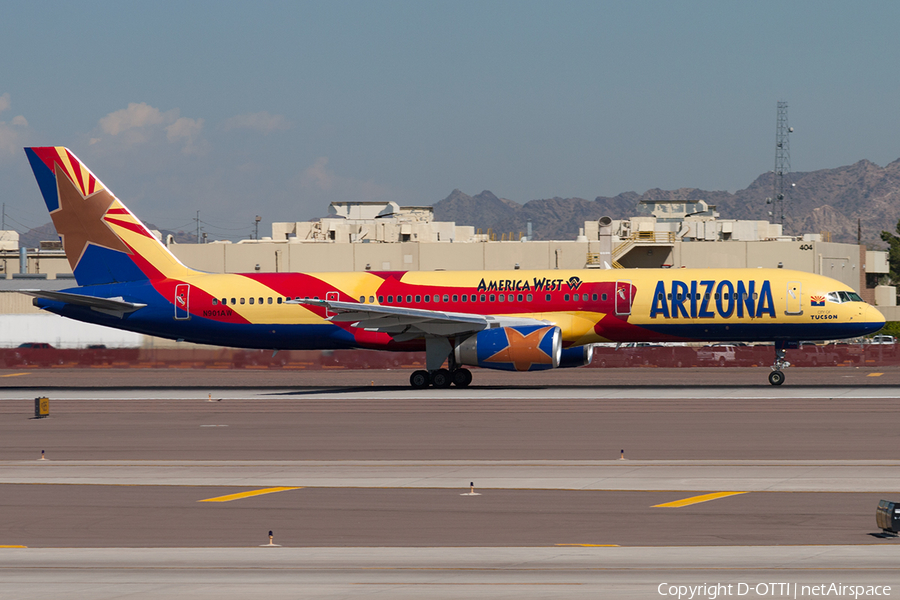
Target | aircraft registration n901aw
(512,320)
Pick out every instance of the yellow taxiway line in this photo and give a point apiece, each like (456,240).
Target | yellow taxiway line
(697,499)
(249,494)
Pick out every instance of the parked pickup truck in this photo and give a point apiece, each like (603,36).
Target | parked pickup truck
(813,355)
(720,354)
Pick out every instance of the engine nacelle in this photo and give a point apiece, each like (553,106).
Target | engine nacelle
(520,348)
(577,356)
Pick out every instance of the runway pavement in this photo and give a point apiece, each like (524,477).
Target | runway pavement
(166,487)
(413,573)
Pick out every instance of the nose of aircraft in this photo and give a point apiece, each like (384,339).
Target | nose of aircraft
(874,317)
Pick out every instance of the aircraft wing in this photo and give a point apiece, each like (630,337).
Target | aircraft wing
(405,324)
(113,306)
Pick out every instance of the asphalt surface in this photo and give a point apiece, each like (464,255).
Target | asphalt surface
(77,516)
(681,426)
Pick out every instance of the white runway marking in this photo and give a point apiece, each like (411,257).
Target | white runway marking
(761,392)
(636,475)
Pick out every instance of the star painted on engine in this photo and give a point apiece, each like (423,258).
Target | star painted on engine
(524,348)
(79,219)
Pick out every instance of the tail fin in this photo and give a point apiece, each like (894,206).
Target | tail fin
(103,240)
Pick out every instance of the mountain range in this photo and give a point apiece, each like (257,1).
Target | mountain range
(829,201)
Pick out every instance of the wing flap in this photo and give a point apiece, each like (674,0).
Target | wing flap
(404,323)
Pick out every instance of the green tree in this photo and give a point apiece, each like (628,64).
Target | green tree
(893,242)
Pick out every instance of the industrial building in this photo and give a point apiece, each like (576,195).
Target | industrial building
(383,236)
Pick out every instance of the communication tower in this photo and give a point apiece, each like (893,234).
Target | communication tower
(782,184)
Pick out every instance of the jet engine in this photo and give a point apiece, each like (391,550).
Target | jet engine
(577,356)
(519,348)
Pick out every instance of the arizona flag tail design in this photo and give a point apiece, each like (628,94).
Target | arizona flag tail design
(104,242)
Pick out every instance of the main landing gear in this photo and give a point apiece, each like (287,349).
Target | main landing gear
(441,378)
(776,377)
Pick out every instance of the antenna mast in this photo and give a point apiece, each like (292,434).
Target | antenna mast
(782,188)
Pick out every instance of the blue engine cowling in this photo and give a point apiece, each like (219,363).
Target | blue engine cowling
(521,348)
(577,356)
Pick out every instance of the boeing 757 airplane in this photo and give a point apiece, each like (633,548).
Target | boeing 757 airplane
(511,320)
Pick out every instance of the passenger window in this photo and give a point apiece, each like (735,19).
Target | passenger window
(465,297)
(270,300)
(483,297)
(493,297)
(280,299)
(603,297)
(371,299)
(530,297)
(566,297)
(390,299)
(409,299)
(242,300)
(519,297)
(427,298)
(215,301)
(446,298)
(594,297)
(502,297)
(547,298)
(418,298)
(380,299)
(659,296)
(251,300)
(455,298)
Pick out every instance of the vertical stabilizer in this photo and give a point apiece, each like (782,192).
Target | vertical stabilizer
(104,242)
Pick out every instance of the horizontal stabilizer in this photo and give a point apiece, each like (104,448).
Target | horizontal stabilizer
(113,306)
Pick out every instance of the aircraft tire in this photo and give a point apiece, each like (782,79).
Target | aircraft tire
(441,378)
(776,377)
(462,377)
(419,379)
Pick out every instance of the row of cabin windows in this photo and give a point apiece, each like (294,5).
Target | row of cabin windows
(428,298)
(478,298)
(269,300)
(668,296)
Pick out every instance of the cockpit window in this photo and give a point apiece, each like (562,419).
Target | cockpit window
(839,297)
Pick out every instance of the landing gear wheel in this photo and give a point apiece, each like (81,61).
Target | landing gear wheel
(441,378)
(776,377)
(462,377)
(419,379)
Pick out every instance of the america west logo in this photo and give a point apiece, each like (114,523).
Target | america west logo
(817,300)
(538,284)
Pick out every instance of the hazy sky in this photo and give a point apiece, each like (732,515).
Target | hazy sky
(277,108)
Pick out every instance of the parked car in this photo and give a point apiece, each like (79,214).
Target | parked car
(883,339)
(35,353)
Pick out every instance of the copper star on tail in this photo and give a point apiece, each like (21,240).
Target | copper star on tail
(79,219)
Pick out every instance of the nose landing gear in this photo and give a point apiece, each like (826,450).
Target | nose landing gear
(776,377)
